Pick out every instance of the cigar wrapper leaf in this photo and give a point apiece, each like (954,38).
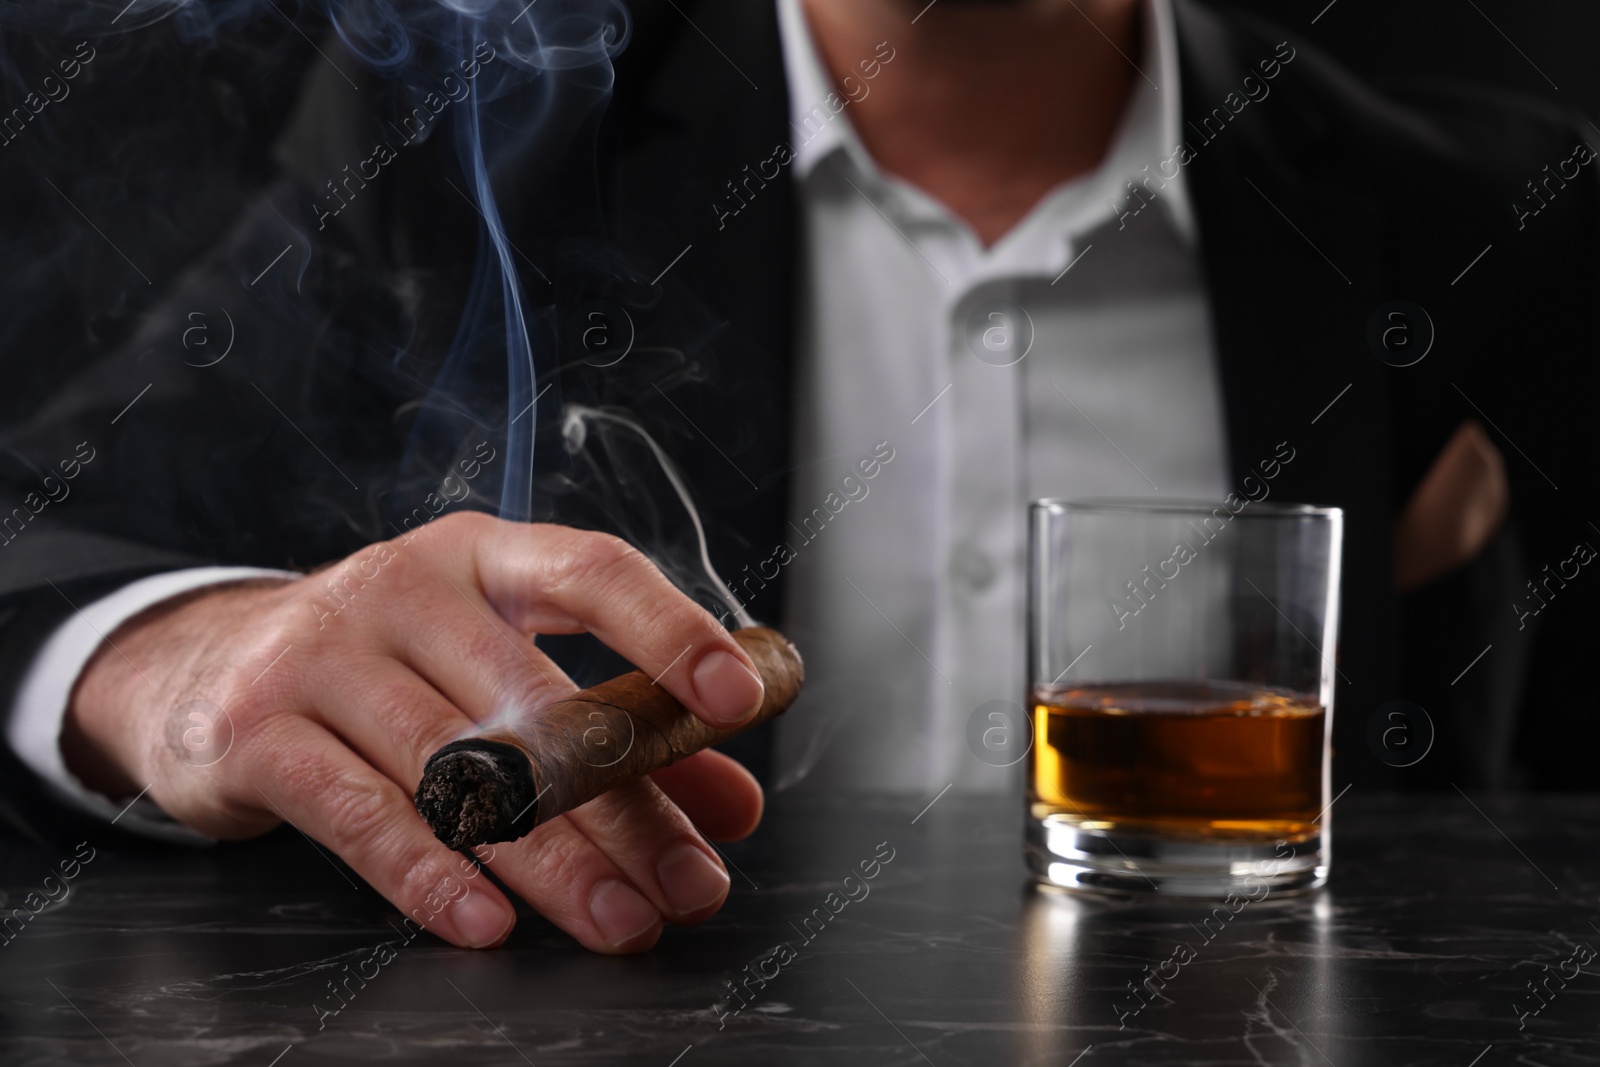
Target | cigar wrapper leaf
(501,784)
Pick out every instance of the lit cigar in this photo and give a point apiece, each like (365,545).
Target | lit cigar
(500,785)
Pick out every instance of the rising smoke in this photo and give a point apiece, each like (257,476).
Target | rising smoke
(248,176)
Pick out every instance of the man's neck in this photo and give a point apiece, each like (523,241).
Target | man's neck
(987,106)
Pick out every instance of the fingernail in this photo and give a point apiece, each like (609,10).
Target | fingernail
(691,880)
(482,922)
(620,912)
(727,689)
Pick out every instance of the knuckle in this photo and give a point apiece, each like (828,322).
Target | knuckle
(637,813)
(412,871)
(512,677)
(553,867)
(357,812)
(416,721)
(441,546)
(559,866)
(418,878)
(277,625)
(340,600)
(461,523)
(453,529)
(256,709)
(594,561)
(356,577)
(252,711)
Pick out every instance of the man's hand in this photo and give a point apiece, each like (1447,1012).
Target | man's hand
(1454,511)
(340,685)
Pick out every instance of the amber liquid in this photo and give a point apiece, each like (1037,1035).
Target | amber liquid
(1195,760)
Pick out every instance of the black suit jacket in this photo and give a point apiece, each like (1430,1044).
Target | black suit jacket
(339,408)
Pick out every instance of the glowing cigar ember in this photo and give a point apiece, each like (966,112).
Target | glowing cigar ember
(500,785)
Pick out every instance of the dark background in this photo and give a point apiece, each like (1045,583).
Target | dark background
(1382,39)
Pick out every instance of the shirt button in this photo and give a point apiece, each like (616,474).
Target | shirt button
(971,567)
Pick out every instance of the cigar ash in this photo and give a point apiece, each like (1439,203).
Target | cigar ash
(476,792)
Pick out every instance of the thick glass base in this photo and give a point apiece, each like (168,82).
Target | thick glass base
(1062,853)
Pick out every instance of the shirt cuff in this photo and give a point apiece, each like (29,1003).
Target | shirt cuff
(34,727)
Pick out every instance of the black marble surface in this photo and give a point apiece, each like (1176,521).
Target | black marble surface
(1419,951)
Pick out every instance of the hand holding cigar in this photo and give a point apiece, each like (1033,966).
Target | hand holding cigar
(499,785)
(333,733)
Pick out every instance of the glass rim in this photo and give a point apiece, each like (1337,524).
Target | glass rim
(1148,506)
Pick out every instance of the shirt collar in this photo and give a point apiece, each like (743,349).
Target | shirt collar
(818,125)
(1142,151)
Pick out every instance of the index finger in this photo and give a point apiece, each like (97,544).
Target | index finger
(554,579)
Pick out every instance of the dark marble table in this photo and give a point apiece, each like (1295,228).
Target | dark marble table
(1420,951)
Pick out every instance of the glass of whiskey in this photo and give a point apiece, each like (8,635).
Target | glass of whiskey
(1181,671)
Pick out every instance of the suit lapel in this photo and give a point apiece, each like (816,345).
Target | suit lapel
(699,108)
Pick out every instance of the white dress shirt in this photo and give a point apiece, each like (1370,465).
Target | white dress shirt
(1097,379)
(909,605)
